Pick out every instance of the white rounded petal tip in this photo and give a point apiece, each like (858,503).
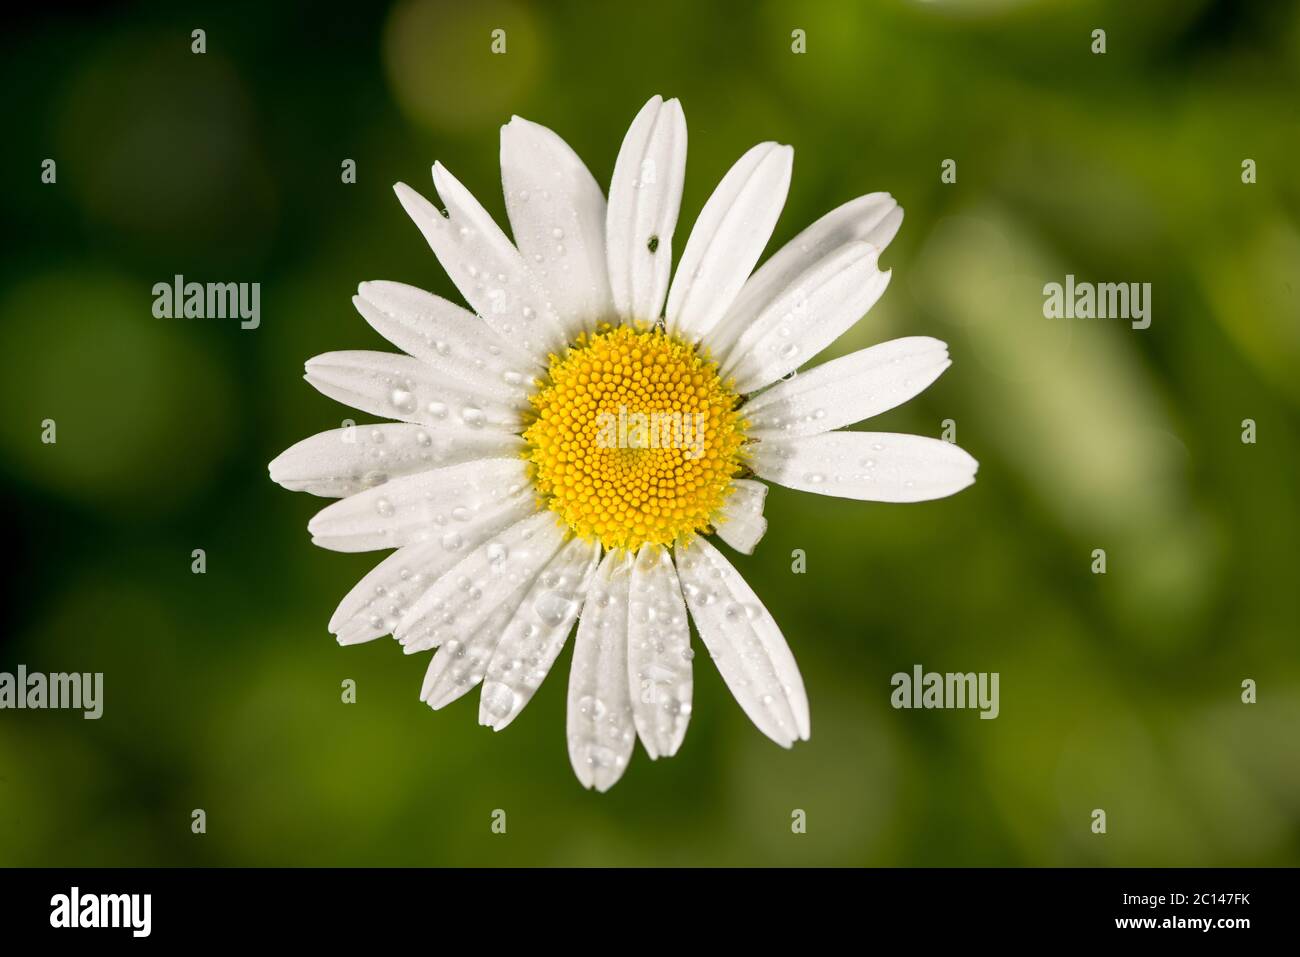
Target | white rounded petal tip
(744,642)
(741,523)
(871,466)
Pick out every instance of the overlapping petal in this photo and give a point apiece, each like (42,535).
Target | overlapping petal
(744,642)
(485,266)
(846,390)
(532,639)
(404,388)
(741,523)
(423,507)
(872,219)
(806,317)
(345,461)
(557,214)
(452,609)
(727,240)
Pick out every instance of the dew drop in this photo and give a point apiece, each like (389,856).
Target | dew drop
(499,699)
(403,401)
(553,608)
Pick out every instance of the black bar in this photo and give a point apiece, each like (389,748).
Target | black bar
(333,905)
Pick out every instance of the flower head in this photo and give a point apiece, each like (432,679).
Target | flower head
(565,451)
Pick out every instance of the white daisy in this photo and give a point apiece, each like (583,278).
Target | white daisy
(561,455)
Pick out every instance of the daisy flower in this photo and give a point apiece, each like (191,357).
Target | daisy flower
(564,452)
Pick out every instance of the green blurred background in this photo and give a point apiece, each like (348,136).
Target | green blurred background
(1119,692)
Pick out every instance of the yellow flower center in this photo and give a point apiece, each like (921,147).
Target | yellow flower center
(636,439)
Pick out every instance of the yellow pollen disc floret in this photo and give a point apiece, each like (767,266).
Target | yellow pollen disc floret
(636,438)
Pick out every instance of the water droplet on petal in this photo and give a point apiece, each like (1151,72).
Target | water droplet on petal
(499,699)
(553,608)
(403,401)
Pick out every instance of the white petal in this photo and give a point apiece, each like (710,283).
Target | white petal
(345,461)
(846,390)
(460,664)
(484,265)
(727,239)
(874,466)
(741,523)
(427,506)
(658,653)
(744,642)
(557,213)
(600,728)
(377,603)
(807,317)
(479,584)
(645,196)
(400,387)
(533,638)
(873,219)
(453,340)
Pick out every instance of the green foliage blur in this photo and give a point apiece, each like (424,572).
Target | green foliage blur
(222,691)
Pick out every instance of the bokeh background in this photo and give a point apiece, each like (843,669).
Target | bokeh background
(1119,692)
